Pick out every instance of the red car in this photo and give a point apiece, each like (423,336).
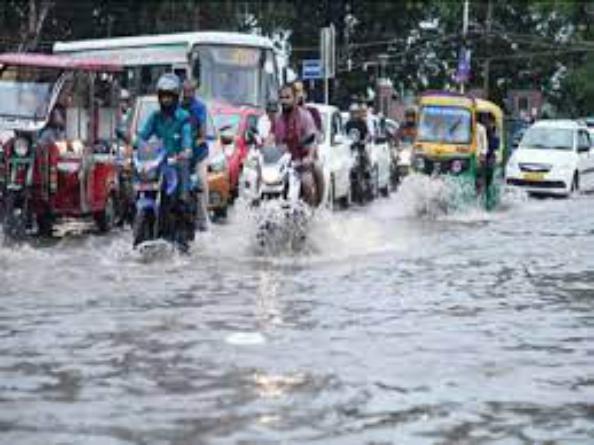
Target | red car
(233,123)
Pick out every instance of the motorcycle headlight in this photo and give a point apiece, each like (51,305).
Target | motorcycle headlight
(457,166)
(21,147)
(217,163)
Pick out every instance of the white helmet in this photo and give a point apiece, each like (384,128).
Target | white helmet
(169,83)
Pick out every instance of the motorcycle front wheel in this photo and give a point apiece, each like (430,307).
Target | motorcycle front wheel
(143,227)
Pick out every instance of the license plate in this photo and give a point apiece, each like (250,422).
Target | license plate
(534,176)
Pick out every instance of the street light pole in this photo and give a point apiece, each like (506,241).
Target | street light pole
(487,66)
(464,34)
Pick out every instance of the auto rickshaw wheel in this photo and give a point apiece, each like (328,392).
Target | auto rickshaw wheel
(45,224)
(15,220)
(105,219)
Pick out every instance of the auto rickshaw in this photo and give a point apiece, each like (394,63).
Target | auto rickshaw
(58,116)
(447,144)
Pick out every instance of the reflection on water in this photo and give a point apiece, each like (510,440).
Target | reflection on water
(393,328)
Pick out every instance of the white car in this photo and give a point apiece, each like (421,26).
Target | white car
(554,157)
(335,154)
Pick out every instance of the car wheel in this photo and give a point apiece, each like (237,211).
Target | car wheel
(575,184)
(375,183)
(332,194)
(105,219)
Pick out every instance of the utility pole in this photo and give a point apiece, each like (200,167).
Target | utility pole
(464,34)
(487,66)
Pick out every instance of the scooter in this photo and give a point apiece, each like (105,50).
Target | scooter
(165,199)
(361,177)
(276,190)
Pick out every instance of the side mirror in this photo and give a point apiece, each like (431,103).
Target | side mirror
(338,139)
(308,140)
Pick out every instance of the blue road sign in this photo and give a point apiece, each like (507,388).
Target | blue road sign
(312,69)
(463,71)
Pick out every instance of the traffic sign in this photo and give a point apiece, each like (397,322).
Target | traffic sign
(312,69)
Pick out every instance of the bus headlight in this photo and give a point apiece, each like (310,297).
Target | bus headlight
(21,147)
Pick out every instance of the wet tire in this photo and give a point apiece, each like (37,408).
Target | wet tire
(15,225)
(105,219)
(45,225)
(575,185)
(142,228)
(221,213)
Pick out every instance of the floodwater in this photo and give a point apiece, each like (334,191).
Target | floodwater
(391,328)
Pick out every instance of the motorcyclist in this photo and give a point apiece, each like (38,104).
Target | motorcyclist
(293,126)
(301,99)
(408,130)
(171,125)
(198,115)
(356,127)
(317,119)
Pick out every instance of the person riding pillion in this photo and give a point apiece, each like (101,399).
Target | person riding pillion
(292,127)
(198,116)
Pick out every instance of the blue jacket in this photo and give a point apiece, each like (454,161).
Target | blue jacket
(198,116)
(175,131)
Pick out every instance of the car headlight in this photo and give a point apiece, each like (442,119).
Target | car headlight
(405,156)
(21,147)
(217,163)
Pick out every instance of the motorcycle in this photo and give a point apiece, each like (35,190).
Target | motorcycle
(272,182)
(165,198)
(361,173)
(18,195)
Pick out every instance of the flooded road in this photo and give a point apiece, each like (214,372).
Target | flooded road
(468,329)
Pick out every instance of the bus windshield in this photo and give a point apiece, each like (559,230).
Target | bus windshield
(235,74)
(25,92)
(445,124)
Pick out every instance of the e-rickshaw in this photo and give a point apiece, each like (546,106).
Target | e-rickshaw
(451,129)
(60,115)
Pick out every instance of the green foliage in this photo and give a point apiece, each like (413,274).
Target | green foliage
(532,44)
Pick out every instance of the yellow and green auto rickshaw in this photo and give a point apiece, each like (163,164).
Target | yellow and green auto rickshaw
(450,144)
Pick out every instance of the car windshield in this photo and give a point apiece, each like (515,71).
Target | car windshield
(450,125)
(548,138)
(25,92)
(235,74)
(271,154)
(228,123)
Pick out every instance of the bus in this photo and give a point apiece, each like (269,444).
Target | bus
(239,69)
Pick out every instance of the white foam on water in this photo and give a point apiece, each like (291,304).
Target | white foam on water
(245,339)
